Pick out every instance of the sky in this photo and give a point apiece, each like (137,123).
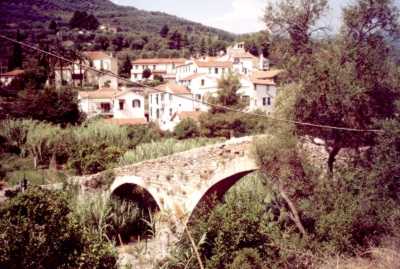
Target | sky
(236,16)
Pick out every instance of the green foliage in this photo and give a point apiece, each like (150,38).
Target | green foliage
(220,122)
(55,106)
(162,148)
(109,219)
(16,59)
(146,73)
(37,232)
(90,159)
(82,20)
(125,71)
(247,258)
(164,31)
(187,128)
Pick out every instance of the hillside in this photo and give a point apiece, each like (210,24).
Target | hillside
(129,19)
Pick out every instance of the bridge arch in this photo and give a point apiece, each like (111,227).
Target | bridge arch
(125,186)
(222,180)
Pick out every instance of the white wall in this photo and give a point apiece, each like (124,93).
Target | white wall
(130,109)
(167,106)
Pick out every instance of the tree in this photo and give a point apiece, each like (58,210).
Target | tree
(295,18)
(146,73)
(16,59)
(164,31)
(38,232)
(349,81)
(175,41)
(126,67)
(82,20)
(203,47)
(187,128)
(53,26)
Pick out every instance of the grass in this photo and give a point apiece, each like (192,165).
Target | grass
(16,168)
(163,148)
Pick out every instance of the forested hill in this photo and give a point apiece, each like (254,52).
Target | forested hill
(128,19)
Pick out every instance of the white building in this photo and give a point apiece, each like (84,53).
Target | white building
(171,100)
(202,86)
(211,66)
(123,105)
(75,74)
(165,67)
(8,77)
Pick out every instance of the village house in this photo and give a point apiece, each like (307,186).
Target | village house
(75,74)
(211,66)
(164,67)
(120,106)
(169,100)
(8,77)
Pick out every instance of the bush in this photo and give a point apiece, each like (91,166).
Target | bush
(187,128)
(91,159)
(38,232)
(247,258)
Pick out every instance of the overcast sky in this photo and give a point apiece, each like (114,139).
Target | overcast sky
(236,16)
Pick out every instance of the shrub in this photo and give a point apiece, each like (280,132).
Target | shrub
(109,218)
(247,258)
(37,232)
(94,158)
(187,128)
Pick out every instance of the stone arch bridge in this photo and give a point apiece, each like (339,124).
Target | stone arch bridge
(180,181)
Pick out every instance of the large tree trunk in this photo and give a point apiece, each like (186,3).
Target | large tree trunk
(294,212)
(332,158)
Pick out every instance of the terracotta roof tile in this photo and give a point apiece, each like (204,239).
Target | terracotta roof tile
(13,73)
(96,55)
(103,93)
(174,88)
(267,74)
(160,61)
(193,76)
(224,64)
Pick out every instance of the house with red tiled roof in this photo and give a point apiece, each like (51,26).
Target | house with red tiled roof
(122,106)
(76,73)
(167,100)
(8,77)
(165,67)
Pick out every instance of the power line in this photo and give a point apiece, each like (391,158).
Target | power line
(322,126)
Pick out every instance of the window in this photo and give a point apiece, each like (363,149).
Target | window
(137,67)
(266,101)
(202,82)
(209,70)
(121,104)
(223,70)
(135,75)
(157,99)
(154,67)
(105,107)
(173,66)
(162,97)
(136,103)
(198,96)
(157,113)
(216,70)
(170,97)
(170,111)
